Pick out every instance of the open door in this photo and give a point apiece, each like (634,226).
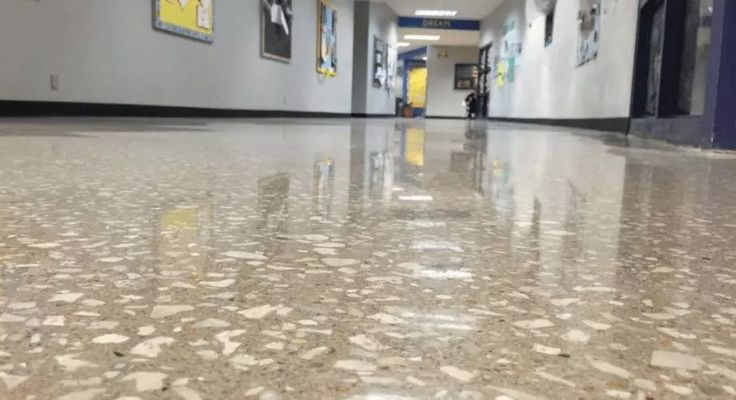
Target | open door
(483,89)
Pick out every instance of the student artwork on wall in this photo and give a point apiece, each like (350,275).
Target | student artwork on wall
(194,19)
(276,23)
(392,56)
(380,68)
(589,21)
(506,62)
(327,39)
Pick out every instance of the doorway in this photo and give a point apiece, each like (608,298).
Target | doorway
(671,66)
(483,87)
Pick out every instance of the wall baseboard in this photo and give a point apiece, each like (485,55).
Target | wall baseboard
(684,130)
(620,125)
(13,108)
(443,117)
(359,115)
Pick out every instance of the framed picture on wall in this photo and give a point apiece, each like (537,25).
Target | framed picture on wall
(326,39)
(392,56)
(277,17)
(194,19)
(379,62)
(466,76)
(589,26)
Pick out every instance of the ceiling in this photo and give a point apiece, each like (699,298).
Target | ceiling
(467,9)
(447,38)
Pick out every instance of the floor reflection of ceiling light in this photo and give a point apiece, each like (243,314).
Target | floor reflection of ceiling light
(437,245)
(425,224)
(416,198)
(444,274)
(380,396)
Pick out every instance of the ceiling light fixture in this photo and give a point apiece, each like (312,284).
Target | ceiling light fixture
(403,44)
(428,38)
(435,13)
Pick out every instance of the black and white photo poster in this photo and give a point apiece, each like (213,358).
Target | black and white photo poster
(276,32)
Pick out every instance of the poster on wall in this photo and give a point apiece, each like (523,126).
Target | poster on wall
(507,60)
(194,19)
(327,39)
(380,69)
(589,22)
(392,57)
(500,73)
(276,22)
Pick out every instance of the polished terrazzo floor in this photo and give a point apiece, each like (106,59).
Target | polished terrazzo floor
(377,260)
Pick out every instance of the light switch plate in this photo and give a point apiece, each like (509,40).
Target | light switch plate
(54,81)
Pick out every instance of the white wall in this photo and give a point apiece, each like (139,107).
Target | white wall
(548,84)
(442,98)
(107,52)
(372,20)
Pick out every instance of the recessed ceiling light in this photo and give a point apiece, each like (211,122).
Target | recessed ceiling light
(403,44)
(435,13)
(429,38)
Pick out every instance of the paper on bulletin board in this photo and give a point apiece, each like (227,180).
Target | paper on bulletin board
(511,69)
(501,75)
(191,18)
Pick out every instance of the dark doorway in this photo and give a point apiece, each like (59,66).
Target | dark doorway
(654,59)
(549,28)
(671,58)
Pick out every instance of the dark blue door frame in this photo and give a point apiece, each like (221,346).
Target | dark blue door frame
(716,128)
(720,108)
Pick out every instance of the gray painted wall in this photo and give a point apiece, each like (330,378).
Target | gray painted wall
(372,20)
(442,98)
(548,84)
(107,52)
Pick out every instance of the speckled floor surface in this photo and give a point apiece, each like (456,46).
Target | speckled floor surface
(381,260)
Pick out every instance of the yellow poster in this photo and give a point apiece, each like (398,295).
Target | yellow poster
(415,146)
(418,87)
(194,19)
(501,77)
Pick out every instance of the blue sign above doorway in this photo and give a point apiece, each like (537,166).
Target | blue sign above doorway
(439,23)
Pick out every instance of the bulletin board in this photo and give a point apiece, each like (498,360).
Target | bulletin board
(326,39)
(194,19)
